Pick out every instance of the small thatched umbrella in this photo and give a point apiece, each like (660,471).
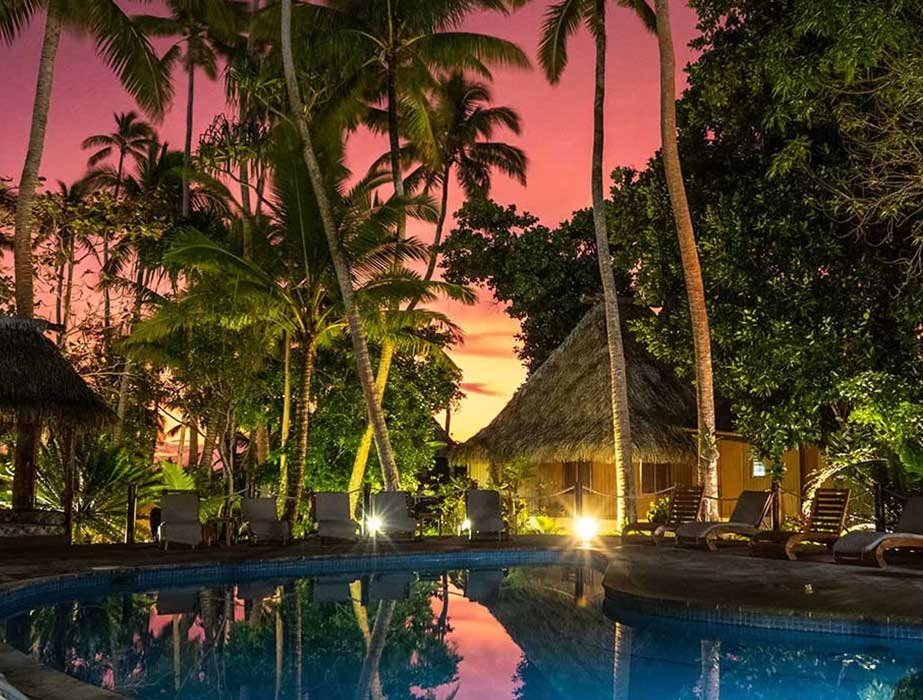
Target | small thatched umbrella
(38,386)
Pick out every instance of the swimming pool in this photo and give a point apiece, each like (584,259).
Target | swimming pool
(496,632)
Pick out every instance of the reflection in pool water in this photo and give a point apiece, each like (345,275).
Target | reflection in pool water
(536,633)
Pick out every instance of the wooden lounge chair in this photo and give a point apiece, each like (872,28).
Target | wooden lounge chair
(748,514)
(392,511)
(868,548)
(180,519)
(685,507)
(824,525)
(332,520)
(482,510)
(261,521)
(483,585)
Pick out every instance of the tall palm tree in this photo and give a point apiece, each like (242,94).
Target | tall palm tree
(561,21)
(341,267)
(692,271)
(201,26)
(453,130)
(123,47)
(129,140)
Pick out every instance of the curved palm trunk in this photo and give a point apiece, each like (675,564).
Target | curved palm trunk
(286,419)
(122,405)
(692,272)
(621,428)
(187,148)
(28,181)
(376,646)
(107,297)
(387,350)
(365,442)
(344,278)
(294,488)
(193,459)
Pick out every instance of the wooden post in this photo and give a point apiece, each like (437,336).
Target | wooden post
(880,523)
(70,460)
(578,491)
(132,514)
(776,503)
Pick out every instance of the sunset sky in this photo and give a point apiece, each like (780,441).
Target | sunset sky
(557,138)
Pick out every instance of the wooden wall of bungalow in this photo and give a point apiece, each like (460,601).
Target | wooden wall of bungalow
(738,470)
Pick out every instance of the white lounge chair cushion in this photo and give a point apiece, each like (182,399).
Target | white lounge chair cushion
(862,542)
(699,531)
(392,507)
(483,510)
(337,529)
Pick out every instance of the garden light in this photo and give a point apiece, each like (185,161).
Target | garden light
(374,524)
(466,525)
(586,529)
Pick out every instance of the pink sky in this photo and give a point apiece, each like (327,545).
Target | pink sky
(557,138)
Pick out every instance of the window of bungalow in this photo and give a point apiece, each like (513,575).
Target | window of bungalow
(656,476)
(570,474)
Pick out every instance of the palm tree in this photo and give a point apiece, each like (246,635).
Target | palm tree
(692,271)
(123,47)
(452,131)
(561,21)
(341,267)
(201,26)
(129,139)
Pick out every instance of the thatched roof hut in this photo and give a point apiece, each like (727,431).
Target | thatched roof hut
(37,384)
(563,411)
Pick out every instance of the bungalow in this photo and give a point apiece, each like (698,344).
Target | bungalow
(558,426)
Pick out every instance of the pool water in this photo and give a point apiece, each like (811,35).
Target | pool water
(526,633)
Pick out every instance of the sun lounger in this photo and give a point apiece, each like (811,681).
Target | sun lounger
(483,585)
(178,601)
(869,547)
(332,589)
(482,510)
(685,507)
(332,520)
(391,513)
(824,525)
(394,585)
(261,521)
(180,519)
(748,514)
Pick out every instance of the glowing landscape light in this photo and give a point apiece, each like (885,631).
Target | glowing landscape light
(586,528)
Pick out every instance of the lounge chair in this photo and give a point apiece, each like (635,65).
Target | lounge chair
(178,601)
(331,517)
(180,519)
(748,514)
(482,510)
(332,589)
(868,547)
(824,525)
(483,585)
(391,511)
(685,507)
(395,585)
(261,521)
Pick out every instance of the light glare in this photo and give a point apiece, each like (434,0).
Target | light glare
(586,528)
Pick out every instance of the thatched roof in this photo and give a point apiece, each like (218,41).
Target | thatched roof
(563,412)
(38,384)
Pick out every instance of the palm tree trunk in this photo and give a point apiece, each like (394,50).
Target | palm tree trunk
(107,297)
(58,289)
(28,181)
(206,459)
(376,647)
(360,347)
(692,271)
(68,289)
(187,148)
(193,458)
(122,406)
(394,143)
(440,224)
(357,475)
(294,490)
(621,427)
(286,419)
(24,461)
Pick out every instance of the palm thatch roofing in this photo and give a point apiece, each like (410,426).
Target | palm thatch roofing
(563,412)
(38,384)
